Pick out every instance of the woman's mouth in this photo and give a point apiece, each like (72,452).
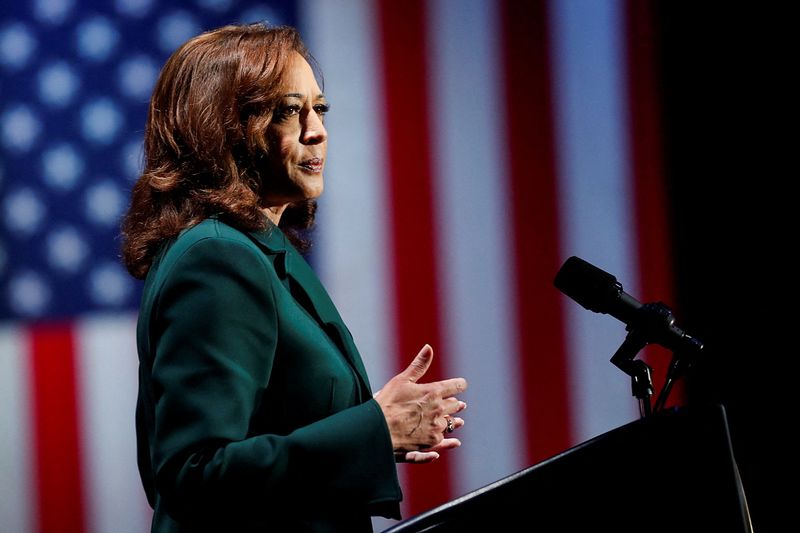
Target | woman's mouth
(313,165)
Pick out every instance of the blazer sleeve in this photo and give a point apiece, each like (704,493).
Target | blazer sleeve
(214,334)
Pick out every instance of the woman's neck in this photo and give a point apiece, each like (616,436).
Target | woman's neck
(274,213)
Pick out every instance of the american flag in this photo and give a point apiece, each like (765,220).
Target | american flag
(474,146)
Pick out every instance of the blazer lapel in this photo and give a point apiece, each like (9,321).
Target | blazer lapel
(306,288)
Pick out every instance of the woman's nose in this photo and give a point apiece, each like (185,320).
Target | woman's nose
(314,131)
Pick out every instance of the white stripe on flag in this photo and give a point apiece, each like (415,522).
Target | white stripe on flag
(107,374)
(596,200)
(351,251)
(17,498)
(471,191)
(352,245)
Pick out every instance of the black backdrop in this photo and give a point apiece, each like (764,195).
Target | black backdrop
(727,126)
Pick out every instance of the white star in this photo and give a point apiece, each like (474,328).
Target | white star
(175,29)
(66,249)
(97,38)
(23,211)
(57,84)
(62,166)
(20,128)
(104,203)
(137,76)
(109,284)
(132,154)
(17,44)
(52,11)
(101,120)
(29,294)
(134,8)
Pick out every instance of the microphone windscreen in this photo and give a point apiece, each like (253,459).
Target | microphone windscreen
(593,288)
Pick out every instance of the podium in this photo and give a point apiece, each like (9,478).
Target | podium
(672,471)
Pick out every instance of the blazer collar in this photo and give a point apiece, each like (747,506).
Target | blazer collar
(305,286)
(272,238)
(290,264)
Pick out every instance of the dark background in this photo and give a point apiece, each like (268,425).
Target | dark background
(727,125)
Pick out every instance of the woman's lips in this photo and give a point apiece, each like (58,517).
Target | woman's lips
(312,165)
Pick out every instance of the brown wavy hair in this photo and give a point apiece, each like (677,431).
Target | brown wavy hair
(205,131)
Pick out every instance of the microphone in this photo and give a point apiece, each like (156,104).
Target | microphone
(599,291)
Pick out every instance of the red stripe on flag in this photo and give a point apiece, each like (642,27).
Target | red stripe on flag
(531,153)
(649,189)
(56,429)
(402,27)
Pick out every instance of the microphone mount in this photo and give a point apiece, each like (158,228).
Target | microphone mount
(651,323)
(599,291)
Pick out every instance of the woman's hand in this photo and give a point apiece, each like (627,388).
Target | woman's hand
(419,414)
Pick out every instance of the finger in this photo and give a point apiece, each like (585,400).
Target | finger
(452,406)
(421,457)
(452,423)
(451,387)
(419,365)
(457,422)
(444,444)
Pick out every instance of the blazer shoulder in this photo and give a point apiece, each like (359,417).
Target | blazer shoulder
(211,228)
(210,237)
(208,233)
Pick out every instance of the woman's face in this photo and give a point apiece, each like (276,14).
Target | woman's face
(296,138)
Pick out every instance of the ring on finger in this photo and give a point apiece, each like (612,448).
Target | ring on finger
(450,426)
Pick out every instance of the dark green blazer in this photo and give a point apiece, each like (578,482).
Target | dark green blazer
(254,412)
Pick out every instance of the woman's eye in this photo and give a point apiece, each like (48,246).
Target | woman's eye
(321,109)
(290,110)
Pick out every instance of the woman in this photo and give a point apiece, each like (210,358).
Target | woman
(255,412)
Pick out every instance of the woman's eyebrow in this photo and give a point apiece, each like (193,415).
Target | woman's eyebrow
(320,96)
